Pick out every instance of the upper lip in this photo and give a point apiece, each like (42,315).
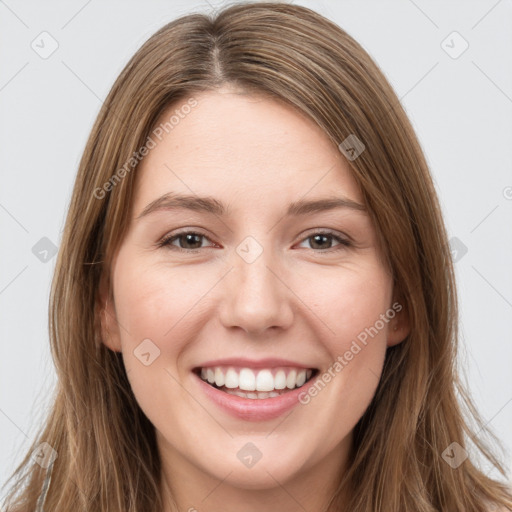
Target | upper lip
(269,362)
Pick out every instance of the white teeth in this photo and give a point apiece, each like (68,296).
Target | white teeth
(301,378)
(291,379)
(246,380)
(256,383)
(235,392)
(231,379)
(253,395)
(219,377)
(280,380)
(265,381)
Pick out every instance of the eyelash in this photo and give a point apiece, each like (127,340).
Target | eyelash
(167,241)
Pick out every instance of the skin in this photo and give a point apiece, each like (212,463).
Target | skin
(297,300)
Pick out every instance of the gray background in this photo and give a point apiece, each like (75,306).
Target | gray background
(460,107)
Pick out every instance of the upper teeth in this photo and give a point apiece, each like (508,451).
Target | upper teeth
(256,380)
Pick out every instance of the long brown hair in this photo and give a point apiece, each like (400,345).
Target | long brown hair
(107,457)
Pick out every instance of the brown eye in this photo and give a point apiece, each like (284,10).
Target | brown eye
(323,241)
(186,241)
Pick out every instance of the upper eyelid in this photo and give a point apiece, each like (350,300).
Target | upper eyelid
(186,232)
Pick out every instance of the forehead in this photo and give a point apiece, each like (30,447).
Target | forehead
(237,145)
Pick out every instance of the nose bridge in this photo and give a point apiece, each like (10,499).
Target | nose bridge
(256,298)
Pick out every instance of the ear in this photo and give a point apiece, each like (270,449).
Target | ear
(109,327)
(399,325)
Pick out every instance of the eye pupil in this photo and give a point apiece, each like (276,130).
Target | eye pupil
(189,238)
(317,237)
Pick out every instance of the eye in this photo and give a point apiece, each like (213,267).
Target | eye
(320,240)
(189,241)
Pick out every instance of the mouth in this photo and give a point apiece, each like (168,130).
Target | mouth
(255,383)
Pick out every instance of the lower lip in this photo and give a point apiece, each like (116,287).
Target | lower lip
(257,409)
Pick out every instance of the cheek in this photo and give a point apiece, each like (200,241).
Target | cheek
(354,310)
(158,304)
(155,309)
(352,305)
(356,347)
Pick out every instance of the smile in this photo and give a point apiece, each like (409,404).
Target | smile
(255,383)
(253,390)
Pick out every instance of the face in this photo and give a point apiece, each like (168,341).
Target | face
(255,288)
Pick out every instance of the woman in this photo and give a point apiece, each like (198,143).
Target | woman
(254,304)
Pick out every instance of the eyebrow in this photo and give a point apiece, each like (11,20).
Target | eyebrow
(207,204)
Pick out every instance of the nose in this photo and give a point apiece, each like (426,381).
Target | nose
(256,297)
